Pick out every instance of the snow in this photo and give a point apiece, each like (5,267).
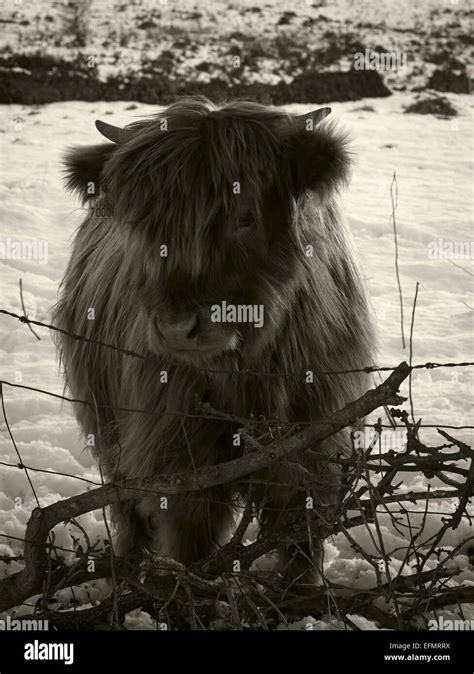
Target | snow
(432,159)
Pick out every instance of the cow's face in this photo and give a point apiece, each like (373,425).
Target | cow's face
(212,203)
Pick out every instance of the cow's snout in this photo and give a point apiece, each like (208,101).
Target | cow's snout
(179,333)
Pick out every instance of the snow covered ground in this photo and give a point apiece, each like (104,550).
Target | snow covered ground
(433,162)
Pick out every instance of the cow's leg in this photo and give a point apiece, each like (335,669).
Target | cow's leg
(190,526)
(301,562)
(132,532)
(284,506)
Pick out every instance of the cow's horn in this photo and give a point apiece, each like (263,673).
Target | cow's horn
(315,116)
(113,133)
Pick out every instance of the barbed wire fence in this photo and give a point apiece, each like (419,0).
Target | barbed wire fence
(179,596)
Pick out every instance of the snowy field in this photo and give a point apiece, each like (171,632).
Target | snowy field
(432,158)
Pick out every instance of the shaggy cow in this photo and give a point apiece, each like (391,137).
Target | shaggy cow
(213,246)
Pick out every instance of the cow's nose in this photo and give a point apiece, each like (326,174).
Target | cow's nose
(180,333)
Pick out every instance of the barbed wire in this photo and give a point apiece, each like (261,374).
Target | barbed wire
(191,415)
(128,352)
(377,426)
(423,511)
(368,369)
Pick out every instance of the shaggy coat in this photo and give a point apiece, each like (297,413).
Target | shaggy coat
(190,208)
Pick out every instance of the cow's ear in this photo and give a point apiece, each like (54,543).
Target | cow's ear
(84,167)
(319,156)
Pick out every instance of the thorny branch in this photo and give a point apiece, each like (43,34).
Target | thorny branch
(369,491)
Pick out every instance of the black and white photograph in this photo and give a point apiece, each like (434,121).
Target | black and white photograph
(236,333)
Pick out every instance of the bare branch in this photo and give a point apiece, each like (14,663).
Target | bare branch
(17,587)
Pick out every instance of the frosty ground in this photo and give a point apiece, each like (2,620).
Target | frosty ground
(432,161)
